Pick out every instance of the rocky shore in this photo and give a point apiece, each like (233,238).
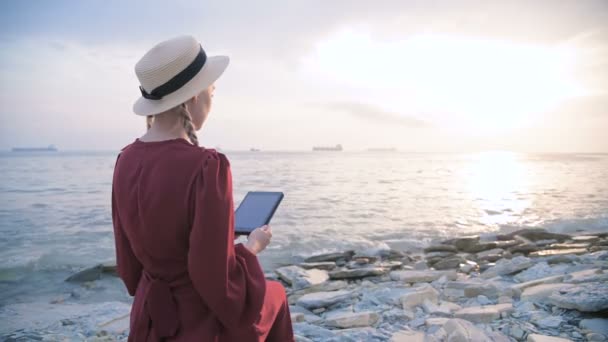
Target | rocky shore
(530,285)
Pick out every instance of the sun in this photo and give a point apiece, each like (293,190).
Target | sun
(474,84)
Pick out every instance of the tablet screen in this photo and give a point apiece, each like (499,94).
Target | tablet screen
(256,210)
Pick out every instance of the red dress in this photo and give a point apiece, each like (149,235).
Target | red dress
(173,218)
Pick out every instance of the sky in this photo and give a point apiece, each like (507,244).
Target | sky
(420,76)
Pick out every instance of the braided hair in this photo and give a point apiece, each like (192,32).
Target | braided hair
(188,125)
(187,120)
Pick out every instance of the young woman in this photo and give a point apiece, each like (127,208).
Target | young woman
(173,216)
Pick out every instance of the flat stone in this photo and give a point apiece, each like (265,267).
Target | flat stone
(352,319)
(297,317)
(535,235)
(543,338)
(551,322)
(541,270)
(459,330)
(587,297)
(585,238)
(455,289)
(423,276)
(110,268)
(331,257)
(491,255)
(547,280)
(441,248)
(309,316)
(300,278)
(88,274)
(486,289)
(418,295)
(323,299)
(595,337)
(587,276)
(438,255)
(408,336)
(429,322)
(358,273)
(541,293)
(449,263)
(326,265)
(483,314)
(464,242)
(524,249)
(444,309)
(468,267)
(313,332)
(596,325)
(507,243)
(569,245)
(505,267)
(552,252)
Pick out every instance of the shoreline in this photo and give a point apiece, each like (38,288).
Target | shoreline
(512,287)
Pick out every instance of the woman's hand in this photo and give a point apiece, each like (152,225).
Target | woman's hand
(259,239)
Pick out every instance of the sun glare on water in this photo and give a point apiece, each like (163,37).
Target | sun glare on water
(475,84)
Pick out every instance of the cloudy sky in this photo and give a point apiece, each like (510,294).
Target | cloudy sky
(528,76)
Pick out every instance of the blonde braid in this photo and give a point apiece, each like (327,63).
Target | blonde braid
(149,120)
(188,125)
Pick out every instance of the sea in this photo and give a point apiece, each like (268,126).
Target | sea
(55,210)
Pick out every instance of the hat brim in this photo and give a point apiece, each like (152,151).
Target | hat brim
(214,67)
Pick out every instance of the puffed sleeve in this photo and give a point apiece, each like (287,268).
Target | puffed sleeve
(127,266)
(228,277)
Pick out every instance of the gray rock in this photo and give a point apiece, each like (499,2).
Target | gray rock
(541,293)
(540,270)
(543,338)
(449,263)
(524,249)
(358,273)
(300,278)
(551,322)
(587,297)
(535,234)
(418,295)
(595,337)
(326,265)
(489,290)
(441,248)
(459,330)
(587,276)
(323,299)
(464,243)
(491,255)
(313,332)
(344,320)
(408,336)
(547,280)
(88,274)
(483,314)
(331,257)
(421,276)
(596,325)
(505,267)
(553,252)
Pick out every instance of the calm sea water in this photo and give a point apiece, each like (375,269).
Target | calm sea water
(55,208)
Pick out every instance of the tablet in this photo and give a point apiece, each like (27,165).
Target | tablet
(256,210)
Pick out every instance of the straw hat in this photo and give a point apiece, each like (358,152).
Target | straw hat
(174,71)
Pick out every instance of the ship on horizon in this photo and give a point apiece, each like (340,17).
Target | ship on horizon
(50,148)
(327,148)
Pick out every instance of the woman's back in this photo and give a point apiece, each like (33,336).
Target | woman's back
(152,183)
